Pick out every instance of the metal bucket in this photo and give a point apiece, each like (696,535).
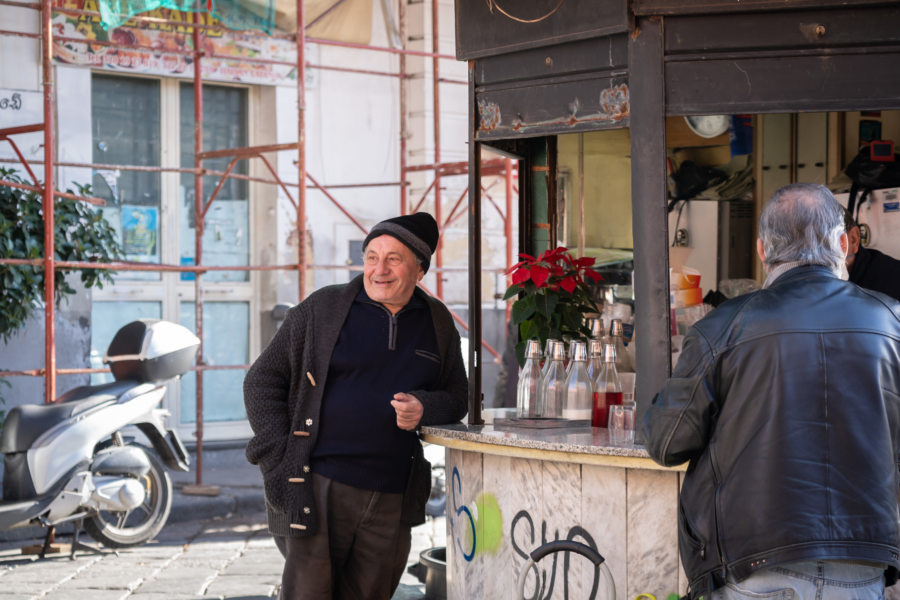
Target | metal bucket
(434,562)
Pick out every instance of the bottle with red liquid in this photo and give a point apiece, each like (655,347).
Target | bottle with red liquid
(607,388)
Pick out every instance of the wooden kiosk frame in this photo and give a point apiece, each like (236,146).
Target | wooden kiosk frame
(549,67)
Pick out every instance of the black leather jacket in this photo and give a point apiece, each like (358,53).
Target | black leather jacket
(786,402)
(877,271)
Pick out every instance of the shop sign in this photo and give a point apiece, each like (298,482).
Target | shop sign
(164,49)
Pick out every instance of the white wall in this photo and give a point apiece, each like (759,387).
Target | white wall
(19,56)
(21,95)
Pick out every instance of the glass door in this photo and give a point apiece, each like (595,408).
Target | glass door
(153,212)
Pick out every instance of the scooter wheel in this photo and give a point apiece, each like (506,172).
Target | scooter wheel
(141,524)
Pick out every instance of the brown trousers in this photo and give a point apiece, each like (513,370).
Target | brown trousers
(358,553)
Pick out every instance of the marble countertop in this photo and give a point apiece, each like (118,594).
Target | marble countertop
(576,440)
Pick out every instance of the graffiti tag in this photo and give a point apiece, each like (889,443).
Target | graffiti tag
(482,529)
(456,487)
(543,587)
(14,102)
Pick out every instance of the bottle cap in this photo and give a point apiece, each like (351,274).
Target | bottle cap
(533,349)
(595,348)
(616,328)
(557,351)
(609,353)
(597,327)
(548,347)
(579,351)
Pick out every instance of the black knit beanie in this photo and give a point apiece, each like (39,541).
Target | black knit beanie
(418,232)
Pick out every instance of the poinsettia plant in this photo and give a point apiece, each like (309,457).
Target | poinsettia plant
(553,296)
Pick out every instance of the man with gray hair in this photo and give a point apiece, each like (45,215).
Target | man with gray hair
(786,402)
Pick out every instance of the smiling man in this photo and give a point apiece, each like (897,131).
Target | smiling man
(334,402)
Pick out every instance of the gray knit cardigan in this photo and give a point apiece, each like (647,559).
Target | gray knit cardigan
(283,396)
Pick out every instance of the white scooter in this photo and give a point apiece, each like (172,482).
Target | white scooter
(69,462)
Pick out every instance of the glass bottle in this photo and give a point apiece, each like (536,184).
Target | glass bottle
(599,332)
(617,338)
(607,388)
(548,352)
(579,390)
(553,390)
(528,393)
(569,355)
(595,358)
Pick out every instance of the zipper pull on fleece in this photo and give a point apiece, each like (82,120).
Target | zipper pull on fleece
(310,377)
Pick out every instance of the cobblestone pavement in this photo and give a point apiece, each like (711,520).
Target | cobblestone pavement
(226,558)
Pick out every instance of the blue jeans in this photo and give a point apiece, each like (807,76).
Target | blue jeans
(808,580)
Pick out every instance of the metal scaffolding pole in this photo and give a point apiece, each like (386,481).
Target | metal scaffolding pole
(301,150)
(198,233)
(436,97)
(48,200)
(404,90)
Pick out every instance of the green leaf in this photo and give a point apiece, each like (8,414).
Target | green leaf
(528,330)
(522,309)
(512,291)
(82,234)
(572,320)
(520,352)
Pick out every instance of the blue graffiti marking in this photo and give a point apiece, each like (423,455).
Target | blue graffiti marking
(457,483)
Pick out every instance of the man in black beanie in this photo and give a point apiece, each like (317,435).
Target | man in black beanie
(334,402)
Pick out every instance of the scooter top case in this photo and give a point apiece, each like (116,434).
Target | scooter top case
(149,350)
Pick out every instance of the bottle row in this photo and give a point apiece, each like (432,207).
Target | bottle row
(582,390)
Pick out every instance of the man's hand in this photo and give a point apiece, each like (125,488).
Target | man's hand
(409,411)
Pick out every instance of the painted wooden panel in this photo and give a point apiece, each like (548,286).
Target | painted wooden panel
(675,7)
(464,485)
(499,503)
(597,54)
(562,519)
(473,481)
(570,104)
(499,509)
(784,30)
(652,533)
(603,517)
(455,562)
(527,509)
(783,84)
(497,27)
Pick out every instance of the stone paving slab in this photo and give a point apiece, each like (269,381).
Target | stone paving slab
(70,594)
(267,565)
(223,558)
(243,585)
(174,595)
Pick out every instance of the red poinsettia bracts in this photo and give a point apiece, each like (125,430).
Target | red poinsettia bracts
(553,294)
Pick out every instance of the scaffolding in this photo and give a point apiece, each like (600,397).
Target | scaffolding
(504,168)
